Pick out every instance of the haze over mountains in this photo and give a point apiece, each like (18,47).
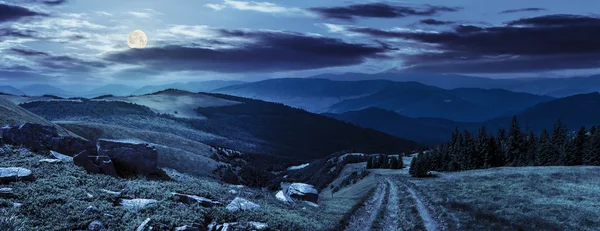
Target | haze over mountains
(417,106)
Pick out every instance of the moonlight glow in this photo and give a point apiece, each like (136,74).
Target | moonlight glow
(137,39)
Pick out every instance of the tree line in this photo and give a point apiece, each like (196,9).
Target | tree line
(515,147)
(384,161)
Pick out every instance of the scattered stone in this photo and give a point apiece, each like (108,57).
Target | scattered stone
(188,228)
(90,196)
(234,226)
(233,191)
(13,174)
(110,192)
(52,161)
(241,204)
(91,210)
(130,158)
(6,193)
(191,199)
(143,227)
(17,205)
(95,226)
(136,203)
(62,157)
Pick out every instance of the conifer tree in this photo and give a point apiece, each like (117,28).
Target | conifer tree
(546,153)
(574,154)
(560,141)
(516,143)
(592,153)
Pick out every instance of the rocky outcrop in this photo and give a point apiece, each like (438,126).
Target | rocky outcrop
(52,161)
(238,226)
(145,226)
(192,199)
(96,226)
(7,193)
(130,158)
(95,164)
(14,174)
(190,228)
(241,204)
(35,137)
(71,146)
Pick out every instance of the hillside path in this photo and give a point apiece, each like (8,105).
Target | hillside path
(365,216)
(390,217)
(428,220)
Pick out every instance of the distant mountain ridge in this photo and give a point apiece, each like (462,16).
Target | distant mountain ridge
(408,98)
(574,111)
(199,86)
(555,87)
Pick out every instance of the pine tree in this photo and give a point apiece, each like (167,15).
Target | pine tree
(370,162)
(494,158)
(516,146)
(413,166)
(546,153)
(468,151)
(482,147)
(502,142)
(531,151)
(592,153)
(560,141)
(574,154)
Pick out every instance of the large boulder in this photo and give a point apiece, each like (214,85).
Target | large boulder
(35,137)
(61,157)
(95,164)
(300,191)
(72,146)
(14,174)
(241,204)
(130,158)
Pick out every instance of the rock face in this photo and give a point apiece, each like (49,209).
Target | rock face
(241,204)
(95,164)
(35,137)
(136,203)
(191,199)
(13,174)
(301,191)
(238,226)
(71,146)
(130,158)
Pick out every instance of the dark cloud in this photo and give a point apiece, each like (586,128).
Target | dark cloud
(268,51)
(58,62)
(435,22)
(12,13)
(530,44)
(531,9)
(379,10)
(6,33)
(54,2)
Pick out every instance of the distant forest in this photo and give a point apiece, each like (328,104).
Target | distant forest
(515,147)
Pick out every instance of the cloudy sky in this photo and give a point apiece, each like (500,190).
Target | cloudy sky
(81,41)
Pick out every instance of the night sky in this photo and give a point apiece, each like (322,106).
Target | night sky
(81,41)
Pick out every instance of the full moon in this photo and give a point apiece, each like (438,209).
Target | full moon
(137,39)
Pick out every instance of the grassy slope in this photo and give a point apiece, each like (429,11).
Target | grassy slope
(11,114)
(529,198)
(57,198)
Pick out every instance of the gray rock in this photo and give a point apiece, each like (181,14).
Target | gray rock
(17,205)
(136,203)
(95,226)
(110,192)
(130,158)
(52,161)
(91,210)
(35,137)
(71,146)
(301,191)
(188,228)
(238,226)
(61,156)
(144,226)
(13,174)
(241,204)
(7,193)
(191,199)
(95,164)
